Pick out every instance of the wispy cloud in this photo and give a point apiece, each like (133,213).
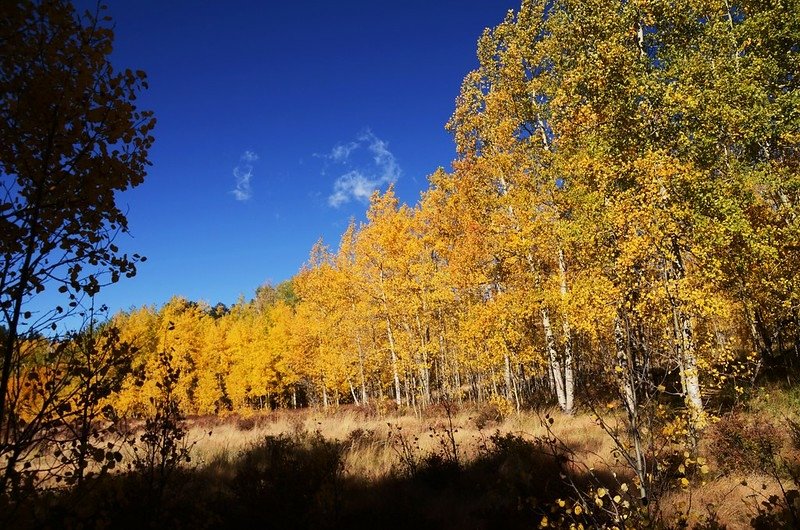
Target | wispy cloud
(249,156)
(352,184)
(341,152)
(243,174)
(362,174)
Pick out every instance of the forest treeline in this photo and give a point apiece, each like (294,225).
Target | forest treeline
(621,218)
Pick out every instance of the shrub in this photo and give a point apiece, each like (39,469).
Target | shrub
(487,415)
(247,423)
(745,445)
(794,433)
(359,437)
(287,477)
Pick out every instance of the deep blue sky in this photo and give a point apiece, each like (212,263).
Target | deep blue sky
(354,92)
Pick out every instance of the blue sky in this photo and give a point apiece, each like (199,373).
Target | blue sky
(275,121)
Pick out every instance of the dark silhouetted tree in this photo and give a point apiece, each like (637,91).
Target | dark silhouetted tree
(72,138)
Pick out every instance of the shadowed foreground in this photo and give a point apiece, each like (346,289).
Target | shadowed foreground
(297,482)
(353,468)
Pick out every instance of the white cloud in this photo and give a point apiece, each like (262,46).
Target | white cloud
(384,159)
(243,174)
(249,156)
(341,152)
(363,175)
(352,184)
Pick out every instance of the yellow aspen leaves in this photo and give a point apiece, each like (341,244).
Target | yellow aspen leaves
(612,206)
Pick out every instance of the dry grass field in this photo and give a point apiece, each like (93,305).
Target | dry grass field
(372,441)
(380,448)
(451,467)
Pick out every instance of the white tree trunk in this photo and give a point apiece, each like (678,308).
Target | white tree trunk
(691,377)
(353,392)
(555,364)
(569,377)
(362,380)
(626,371)
(507,375)
(397,394)
(684,344)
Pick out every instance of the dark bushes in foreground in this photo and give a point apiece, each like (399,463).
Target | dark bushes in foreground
(297,482)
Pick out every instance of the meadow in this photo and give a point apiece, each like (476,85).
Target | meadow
(451,467)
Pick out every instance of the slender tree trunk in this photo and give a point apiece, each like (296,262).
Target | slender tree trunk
(761,338)
(443,372)
(406,386)
(684,342)
(555,364)
(511,384)
(361,377)
(397,394)
(12,333)
(353,392)
(569,377)
(457,381)
(692,377)
(397,391)
(424,389)
(626,370)
(507,375)
(424,372)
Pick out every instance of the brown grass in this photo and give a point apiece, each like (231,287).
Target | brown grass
(732,499)
(378,452)
(372,451)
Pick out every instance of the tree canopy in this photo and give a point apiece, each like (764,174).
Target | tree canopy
(72,139)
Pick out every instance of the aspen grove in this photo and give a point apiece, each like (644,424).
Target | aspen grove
(621,221)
